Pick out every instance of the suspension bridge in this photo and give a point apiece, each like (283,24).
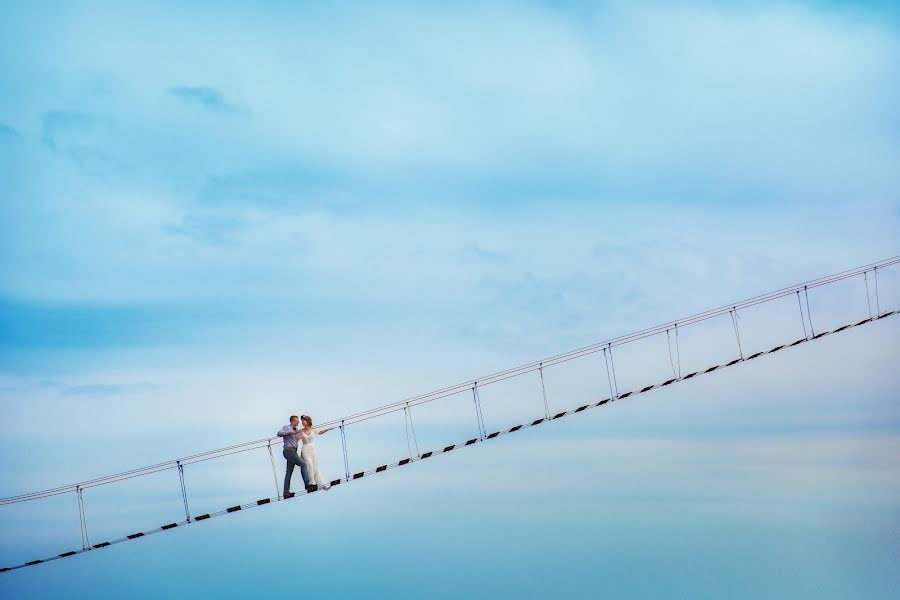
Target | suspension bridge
(468,392)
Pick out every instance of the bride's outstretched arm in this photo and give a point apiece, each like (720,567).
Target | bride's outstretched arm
(326,430)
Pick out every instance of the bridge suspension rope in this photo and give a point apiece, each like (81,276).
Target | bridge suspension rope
(445,450)
(483,435)
(481,381)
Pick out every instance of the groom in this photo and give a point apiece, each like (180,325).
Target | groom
(289,434)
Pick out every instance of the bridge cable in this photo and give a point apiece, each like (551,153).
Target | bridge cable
(425,455)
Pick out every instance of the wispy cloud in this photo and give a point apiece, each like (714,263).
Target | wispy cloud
(297,189)
(86,139)
(109,389)
(60,126)
(8,131)
(208,229)
(207,97)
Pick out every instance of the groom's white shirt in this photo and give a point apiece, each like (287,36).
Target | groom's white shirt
(289,435)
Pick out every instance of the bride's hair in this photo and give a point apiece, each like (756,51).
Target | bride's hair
(307,418)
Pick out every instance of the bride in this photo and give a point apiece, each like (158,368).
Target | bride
(309,454)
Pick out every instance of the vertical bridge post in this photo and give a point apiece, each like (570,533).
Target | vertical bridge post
(481,431)
(408,423)
(737,332)
(877,303)
(612,395)
(85,541)
(187,512)
(274,472)
(544,392)
(812,332)
(614,383)
(344,446)
(802,318)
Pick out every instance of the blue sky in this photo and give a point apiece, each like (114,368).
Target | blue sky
(214,216)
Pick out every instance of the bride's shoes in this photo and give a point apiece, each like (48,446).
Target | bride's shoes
(315,488)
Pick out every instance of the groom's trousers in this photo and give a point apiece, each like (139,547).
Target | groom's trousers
(293,459)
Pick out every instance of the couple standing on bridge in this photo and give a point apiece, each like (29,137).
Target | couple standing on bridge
(308,456)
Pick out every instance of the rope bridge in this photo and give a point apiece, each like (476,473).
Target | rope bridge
(670,330)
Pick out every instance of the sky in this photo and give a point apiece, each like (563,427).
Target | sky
(216,215)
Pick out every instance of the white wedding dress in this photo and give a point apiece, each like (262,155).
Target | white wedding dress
(310,455)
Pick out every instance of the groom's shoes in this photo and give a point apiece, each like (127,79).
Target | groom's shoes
(311,488)
(289,495)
